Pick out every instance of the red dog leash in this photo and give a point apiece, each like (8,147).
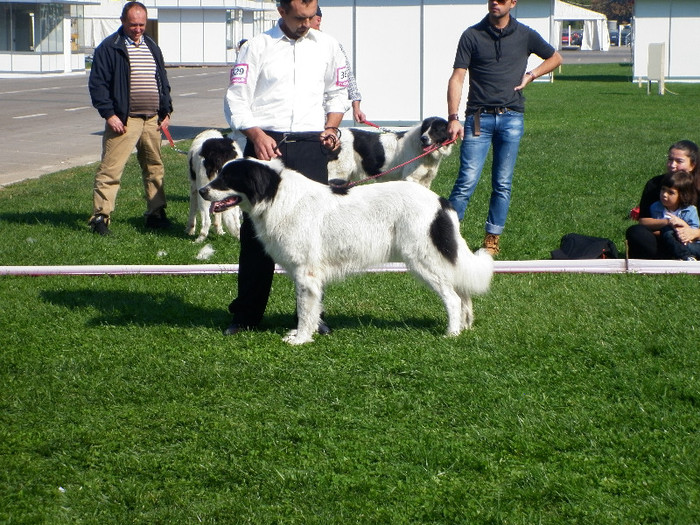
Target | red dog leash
(383,130)
(168,136)
(426,152)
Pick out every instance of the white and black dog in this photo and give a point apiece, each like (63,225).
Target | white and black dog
(209,151)
(366,153)
(319,234)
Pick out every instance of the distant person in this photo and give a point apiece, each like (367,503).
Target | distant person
(129,88)
(642,242)
(354,94)
(495,53)
(288,94)
(675,208)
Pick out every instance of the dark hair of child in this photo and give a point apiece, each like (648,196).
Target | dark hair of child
(684,183)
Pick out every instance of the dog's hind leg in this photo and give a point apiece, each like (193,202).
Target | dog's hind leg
(453,305)
(442,286)
(467,312)
(309,292)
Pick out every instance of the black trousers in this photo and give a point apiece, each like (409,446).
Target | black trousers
(301,152)
(643,244)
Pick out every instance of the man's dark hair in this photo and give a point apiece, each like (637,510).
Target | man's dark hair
(285,4)
(131,5)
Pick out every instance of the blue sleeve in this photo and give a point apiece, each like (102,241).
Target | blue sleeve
(691,217)
(656,210)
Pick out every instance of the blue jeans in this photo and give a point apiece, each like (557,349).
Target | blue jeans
(503,132)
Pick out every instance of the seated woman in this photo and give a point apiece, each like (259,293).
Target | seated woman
(643,243)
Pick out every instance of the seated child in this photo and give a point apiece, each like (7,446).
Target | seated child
(673,209)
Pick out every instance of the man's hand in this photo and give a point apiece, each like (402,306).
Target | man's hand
(455,129)
(357,113)
(165,123)
(330,139)
(265,145)
(115,123)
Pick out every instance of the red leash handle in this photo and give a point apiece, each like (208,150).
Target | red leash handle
(166,132)
(168,136)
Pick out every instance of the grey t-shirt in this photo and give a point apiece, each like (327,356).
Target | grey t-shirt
(496,61)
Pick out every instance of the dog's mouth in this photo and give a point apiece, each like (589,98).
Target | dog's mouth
(223,205)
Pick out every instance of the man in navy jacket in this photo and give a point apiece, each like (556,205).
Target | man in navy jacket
(129,88)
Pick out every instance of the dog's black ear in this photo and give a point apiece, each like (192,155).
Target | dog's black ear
(264,181)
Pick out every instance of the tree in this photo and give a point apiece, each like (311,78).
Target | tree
(620,10)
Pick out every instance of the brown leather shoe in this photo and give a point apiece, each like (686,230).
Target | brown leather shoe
(491,244)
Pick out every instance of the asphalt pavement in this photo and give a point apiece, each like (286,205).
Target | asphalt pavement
(47,123)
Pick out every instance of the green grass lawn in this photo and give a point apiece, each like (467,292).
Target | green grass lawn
(574,399)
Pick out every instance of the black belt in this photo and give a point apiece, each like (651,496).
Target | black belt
(143,116)
(296,136)
(498,110)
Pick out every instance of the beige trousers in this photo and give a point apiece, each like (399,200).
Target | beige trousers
(144,135)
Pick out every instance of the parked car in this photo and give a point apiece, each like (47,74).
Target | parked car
(565,39)
(626,37)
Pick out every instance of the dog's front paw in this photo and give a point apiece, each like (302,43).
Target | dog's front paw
(294,338)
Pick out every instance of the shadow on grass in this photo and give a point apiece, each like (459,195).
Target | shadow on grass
(594,78)
(125,308)
(71,219)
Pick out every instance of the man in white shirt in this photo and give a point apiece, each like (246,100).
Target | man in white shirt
(288,95)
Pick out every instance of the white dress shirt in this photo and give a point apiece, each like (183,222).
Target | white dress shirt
(281,84)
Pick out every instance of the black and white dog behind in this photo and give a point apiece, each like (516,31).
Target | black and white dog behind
(319,234)
(209,151)
(366,153)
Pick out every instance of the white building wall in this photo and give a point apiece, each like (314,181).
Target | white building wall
(403,51)
(169,35)
(675,23)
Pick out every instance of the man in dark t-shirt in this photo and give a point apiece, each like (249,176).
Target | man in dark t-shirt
(495,52)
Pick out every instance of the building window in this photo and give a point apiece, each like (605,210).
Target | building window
(233,27)
(77,28)
(30,28)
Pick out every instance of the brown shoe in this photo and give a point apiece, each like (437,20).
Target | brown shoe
(491,244)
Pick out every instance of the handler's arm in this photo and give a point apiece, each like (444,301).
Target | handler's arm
(545,67)
(329,136)
(454,96)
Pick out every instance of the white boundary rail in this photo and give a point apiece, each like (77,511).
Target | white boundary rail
(598,266)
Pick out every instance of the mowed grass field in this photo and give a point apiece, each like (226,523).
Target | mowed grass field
(574,398)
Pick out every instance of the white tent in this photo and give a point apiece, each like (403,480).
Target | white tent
(595,25)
